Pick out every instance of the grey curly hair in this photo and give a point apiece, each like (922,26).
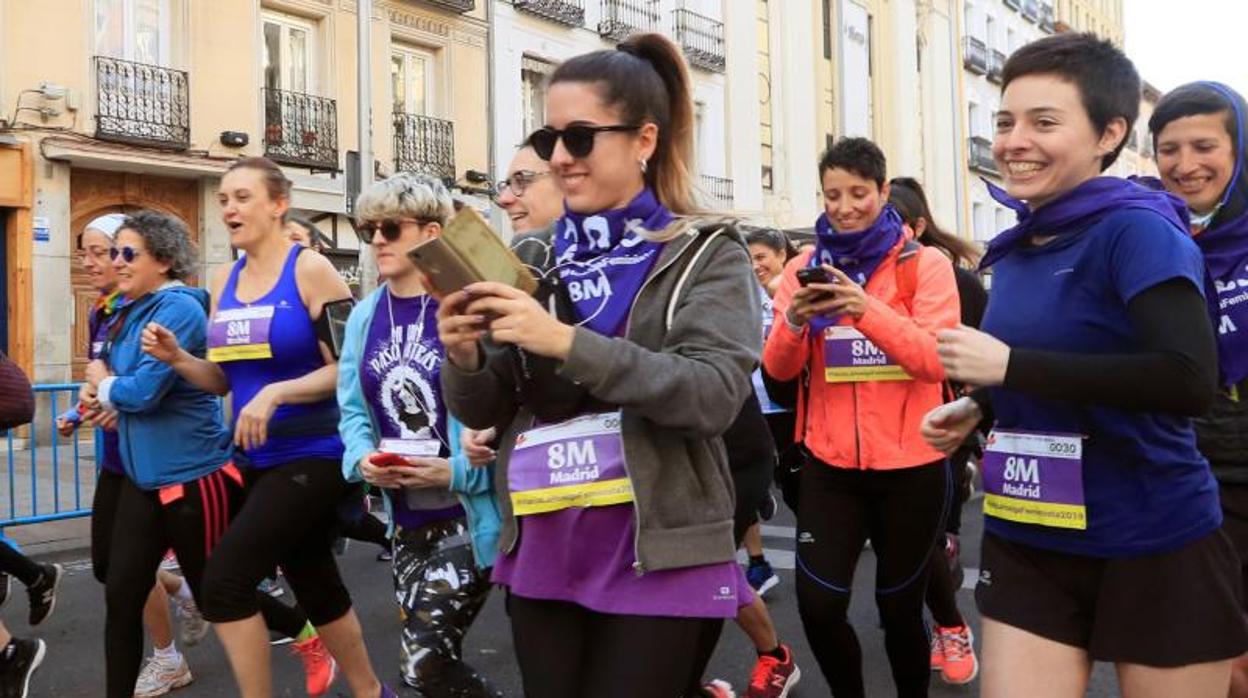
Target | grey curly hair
(167,240)
(406,195)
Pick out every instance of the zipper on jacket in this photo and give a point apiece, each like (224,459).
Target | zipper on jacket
(638,567)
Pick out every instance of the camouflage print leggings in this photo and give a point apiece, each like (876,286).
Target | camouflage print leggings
(440,591)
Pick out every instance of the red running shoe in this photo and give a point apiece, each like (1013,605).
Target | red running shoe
(773,678)
(318,664)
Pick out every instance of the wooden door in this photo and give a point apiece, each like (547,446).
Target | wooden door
(94,193)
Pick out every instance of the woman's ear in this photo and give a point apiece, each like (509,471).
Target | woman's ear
(647,141)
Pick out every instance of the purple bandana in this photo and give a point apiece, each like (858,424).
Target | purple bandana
(1075,210)
(857,254)
(603,261)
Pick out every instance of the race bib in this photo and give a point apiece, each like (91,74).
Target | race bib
(577,463)
(240,334)
(1035,478)
(420,498)
(849,357)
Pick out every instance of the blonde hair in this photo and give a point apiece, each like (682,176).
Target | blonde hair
(406,195)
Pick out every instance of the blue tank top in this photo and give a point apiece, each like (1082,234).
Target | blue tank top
(270,340)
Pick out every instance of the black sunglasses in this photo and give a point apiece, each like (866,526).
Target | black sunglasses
(127,254)
(579,139)
(390,229)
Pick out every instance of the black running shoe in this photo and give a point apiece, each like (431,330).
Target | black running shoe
(43,593)
(16,670)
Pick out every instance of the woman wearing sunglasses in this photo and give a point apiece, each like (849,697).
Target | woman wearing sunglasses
(179,487)
(268,347)
(444,519)
(616,538)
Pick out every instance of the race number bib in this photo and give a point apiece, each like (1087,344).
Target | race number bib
(577,463)
(849,357)
(240,334)
(1035,478)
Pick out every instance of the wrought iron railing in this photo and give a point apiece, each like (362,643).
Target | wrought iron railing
(974,55)
(996,65)
(300,129)
(623,18)
(1031,10)
(567,12)
(424,144)
(454,5)
(718,189)
(701,38)
(141,104)
(980,157)
(1047,17)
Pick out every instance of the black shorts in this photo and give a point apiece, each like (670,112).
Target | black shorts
(1165,610)
(752,460)
(1235,526)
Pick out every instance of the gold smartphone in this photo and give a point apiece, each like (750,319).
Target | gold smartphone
(469,251)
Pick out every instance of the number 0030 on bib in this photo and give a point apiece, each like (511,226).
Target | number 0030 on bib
(1035,478)
(577,463)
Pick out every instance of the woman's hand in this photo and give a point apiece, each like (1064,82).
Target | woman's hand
(476,446)
(947,426)
(88,396)
(424,473)
(97,371)
(252,428)
(104,419)
(161,344)
(378,475)
(460,331)
(973,357)
(840,296)
(520,320)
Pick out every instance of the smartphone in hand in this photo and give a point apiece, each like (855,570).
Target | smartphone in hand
(384,460)
(812,275)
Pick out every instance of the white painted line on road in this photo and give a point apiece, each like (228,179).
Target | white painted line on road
(786,532)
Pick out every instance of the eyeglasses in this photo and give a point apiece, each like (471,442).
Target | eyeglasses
(579,139)
(98,253)
(518,182)
(390,229)
(127,254)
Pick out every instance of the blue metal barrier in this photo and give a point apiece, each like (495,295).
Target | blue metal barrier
(61,504)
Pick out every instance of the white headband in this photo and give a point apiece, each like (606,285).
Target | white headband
(107,224)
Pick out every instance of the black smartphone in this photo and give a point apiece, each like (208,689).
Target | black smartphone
(332,324)
(812,275)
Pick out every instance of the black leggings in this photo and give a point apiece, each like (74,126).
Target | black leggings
(902,513)
(367,528)
(103,515)
(18,565)
(143,529)
(568,651)
(288,519)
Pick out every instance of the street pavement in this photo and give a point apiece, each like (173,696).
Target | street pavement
(75,666)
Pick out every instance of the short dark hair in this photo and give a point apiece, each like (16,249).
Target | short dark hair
(1106,79)
(166,239)
(772,238)
(1193,99)
(858,155)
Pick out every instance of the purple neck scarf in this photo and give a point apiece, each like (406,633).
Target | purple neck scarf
(1075,210)
(603,261)
(857,254)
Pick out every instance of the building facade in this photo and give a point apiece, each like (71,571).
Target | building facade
(144,103)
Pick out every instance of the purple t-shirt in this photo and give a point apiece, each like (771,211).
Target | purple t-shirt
(99,325)
(400,374)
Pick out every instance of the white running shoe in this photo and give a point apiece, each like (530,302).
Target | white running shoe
(160,676)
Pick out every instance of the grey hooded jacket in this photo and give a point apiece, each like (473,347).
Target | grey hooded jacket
(679,378)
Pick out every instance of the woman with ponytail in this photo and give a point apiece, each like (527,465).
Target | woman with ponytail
(612,388)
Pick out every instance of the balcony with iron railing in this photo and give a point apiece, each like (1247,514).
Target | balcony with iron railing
(1031,10)
(424,145)
(460,6)
(718,190)
(623,18)
(1047,18)
(974,55)
(996,65)
(300,129)
(701,38)
(567,12)
(980,155)
(141,104)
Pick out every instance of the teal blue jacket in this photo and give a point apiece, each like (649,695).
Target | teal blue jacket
(474,485)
